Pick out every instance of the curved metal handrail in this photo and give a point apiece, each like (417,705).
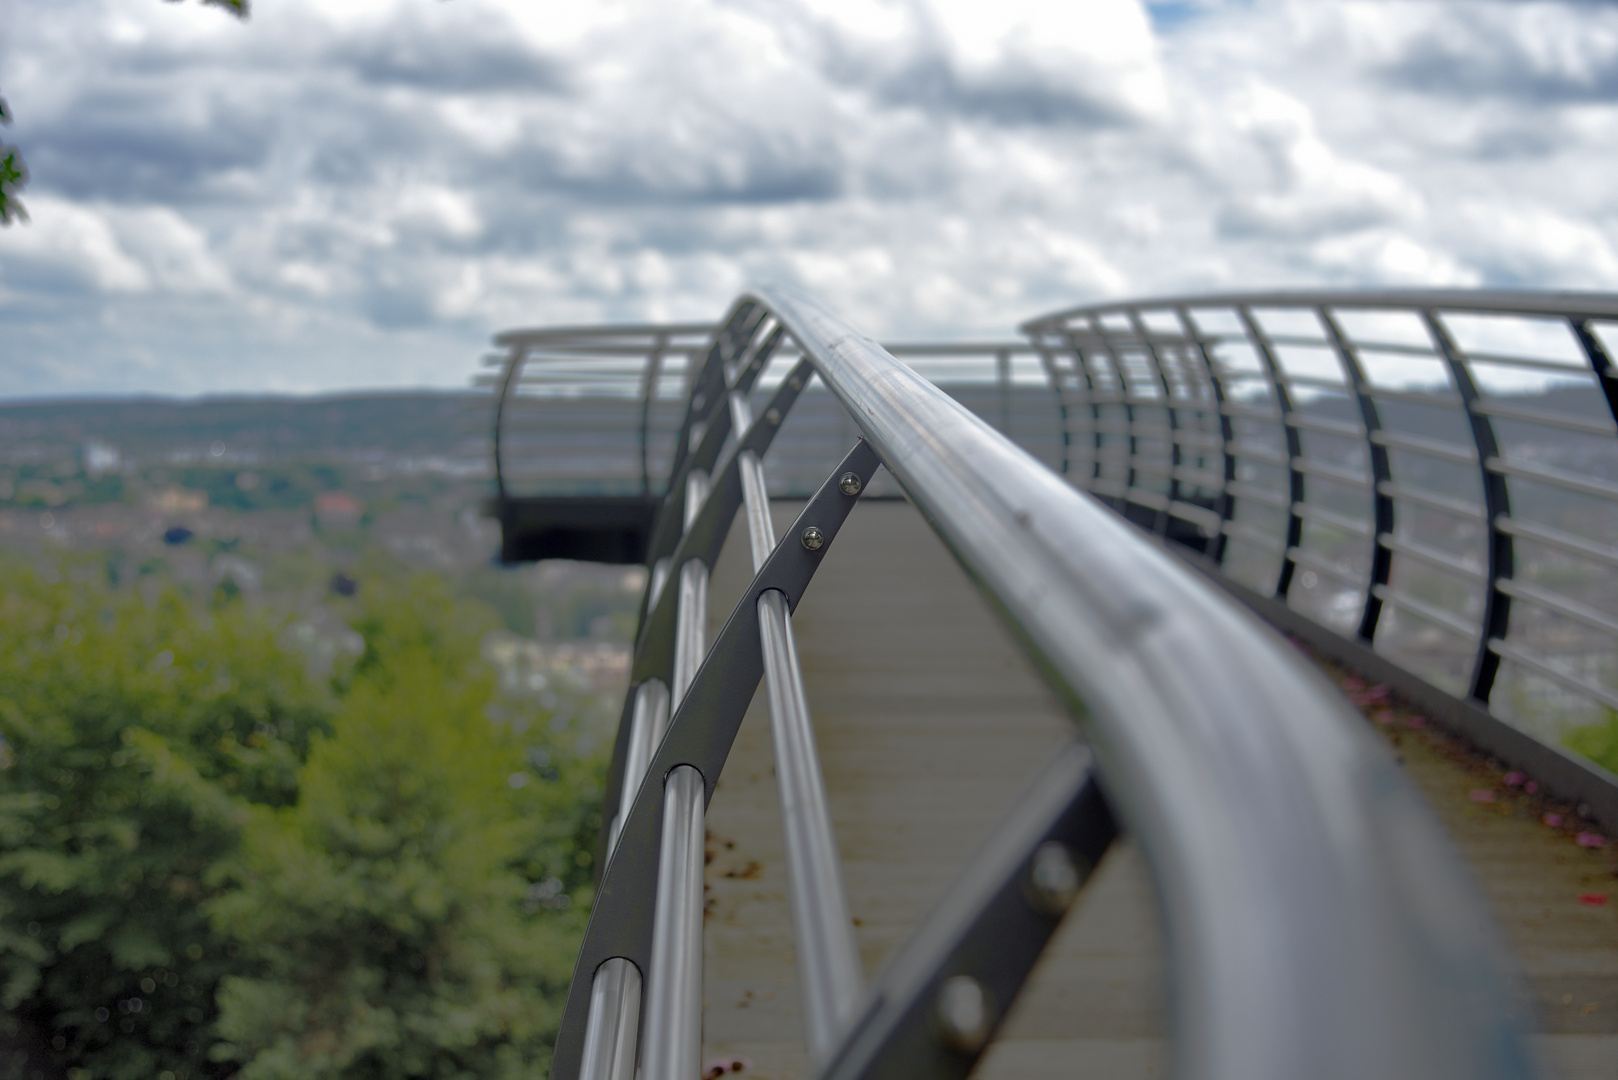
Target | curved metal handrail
(1395,520)
(624,363)
(1318,923)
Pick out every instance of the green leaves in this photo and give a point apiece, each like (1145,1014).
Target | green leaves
(386,908)
(124,748)
(1598,742)
(13,175)
(212,864)
(239,8)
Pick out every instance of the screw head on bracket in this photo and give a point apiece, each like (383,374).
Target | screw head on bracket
(813,538)
(773,417)
(1053,878)
(850,484)
(796,383)
(698,402)
(964,1014)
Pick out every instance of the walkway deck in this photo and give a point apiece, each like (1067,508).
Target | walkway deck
(930,721)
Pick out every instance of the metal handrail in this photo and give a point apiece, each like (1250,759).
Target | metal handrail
(629,365)
(1392,493)
(1318,923)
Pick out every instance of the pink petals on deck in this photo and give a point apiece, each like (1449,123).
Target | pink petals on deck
(1511,792)
(1362,695)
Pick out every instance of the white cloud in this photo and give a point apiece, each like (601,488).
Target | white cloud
(360,193)
(1286,179)
(1093,48)
(1388,257)
(1538,244)
(69,244)
(175,253)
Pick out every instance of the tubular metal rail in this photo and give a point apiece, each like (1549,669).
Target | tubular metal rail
(596,445)
(586,420)
(1431,475)
(1317,922)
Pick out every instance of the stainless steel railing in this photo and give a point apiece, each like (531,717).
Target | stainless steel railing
(1317,922)
(1434,474)
(596,410)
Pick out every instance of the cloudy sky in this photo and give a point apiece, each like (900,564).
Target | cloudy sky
(357,193)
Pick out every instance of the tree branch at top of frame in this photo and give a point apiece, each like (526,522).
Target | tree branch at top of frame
(14,171)
(239,8)
(13,175)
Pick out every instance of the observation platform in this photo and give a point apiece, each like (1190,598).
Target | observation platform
(930,722)
(959,737)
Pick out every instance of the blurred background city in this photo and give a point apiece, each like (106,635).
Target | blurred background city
(297,779)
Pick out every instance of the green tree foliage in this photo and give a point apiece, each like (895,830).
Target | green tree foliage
(133,736)
(13,175)
(1598,742)
(211,865)
(239,8)
(395,928)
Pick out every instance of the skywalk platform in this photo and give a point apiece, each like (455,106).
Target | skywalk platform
(894,877)
(930,722)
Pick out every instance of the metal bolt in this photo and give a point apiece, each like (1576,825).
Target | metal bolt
(963,1014)
(796,383)
(773,417)
(698,402)
(813,538)
(850,484)
(1053,878)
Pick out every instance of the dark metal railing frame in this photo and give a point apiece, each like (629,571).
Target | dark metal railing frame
(1288,940)
(1579,311)
(521,346)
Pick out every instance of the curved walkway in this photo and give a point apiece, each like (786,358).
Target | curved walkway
(930,721)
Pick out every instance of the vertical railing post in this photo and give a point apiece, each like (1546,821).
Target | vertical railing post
(1170,411)
(648,394)
(1496,622)
(1054,374)
(1283,403)
(1082,370)
(1101,334)
(1600,362)
(1002,379)
(519,357)
(1381,475)
(1227,433)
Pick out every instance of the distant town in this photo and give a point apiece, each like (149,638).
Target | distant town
(286,502)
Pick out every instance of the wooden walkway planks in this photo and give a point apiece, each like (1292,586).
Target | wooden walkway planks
(929,722)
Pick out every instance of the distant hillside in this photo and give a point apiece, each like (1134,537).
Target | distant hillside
(258,429)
